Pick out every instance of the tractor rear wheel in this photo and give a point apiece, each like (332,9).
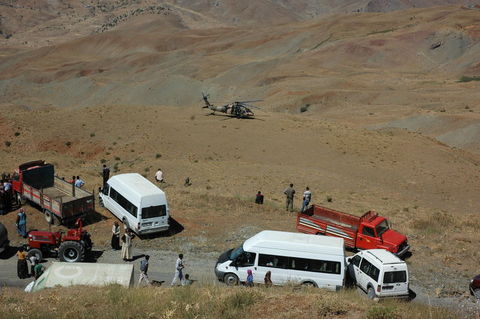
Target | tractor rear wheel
(35,252)
(71,251)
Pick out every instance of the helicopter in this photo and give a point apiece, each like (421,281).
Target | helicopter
(238,109)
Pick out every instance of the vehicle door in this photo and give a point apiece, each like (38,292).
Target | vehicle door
(107,201)
(244,261)
(366,238)
(395,282)
(354,267)
(368,274)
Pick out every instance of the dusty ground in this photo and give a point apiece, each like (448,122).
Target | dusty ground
(386,123)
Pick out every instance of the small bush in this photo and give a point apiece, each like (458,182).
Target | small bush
(158,155)
(304,108)
(92,134)
(8,143)
(17,133)
(469,78)
(329,199)
(117,158)
(68,144)
(103,161)
(147,169)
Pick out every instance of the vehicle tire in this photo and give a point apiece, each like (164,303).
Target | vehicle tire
(35,252)
(230,279)
(309,284)
(71,251)
(371,293)
(476,293)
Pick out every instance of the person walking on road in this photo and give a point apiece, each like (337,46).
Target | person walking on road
(21,223)
(307,197)
(105,174)
(22,266)
(144,271)
(115,236)
(178,271)
(289,193)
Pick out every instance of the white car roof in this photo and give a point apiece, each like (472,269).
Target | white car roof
(296,242)
(134,184)
(384,256)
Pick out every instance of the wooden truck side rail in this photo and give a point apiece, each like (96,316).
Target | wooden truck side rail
(324,221)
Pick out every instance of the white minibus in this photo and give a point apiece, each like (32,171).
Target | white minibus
(290,257)
(137,202)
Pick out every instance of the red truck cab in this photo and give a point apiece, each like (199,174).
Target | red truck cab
(369,231)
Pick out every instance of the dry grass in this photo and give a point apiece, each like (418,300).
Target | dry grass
(204,302)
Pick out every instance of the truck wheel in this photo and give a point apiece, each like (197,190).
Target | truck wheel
(35,252)
(371,293)
(71,251)
(231,279)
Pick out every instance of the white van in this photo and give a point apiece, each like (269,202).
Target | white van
(137,202)
(379,273)
(291,257)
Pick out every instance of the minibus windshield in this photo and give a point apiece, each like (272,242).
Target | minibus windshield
(154,211)
(236,252)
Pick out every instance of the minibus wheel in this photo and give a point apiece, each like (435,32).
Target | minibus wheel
(231,279)
(371,293)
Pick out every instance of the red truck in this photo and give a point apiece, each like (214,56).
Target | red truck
(366,232)
(60,201)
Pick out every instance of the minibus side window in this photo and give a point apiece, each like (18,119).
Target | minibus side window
(272,261)
(246,259)
(122,201)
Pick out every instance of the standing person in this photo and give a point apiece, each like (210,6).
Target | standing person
(115,236)
(249,282)
(178,270)
(7,187)
(21,223)
(307,196)
(259,198)
(124,247)
(128,245)
(144,271)
(22,267)
(79,182)
(105,174)
(268,279)
(3,201)
(159,176)
(33,261)
(289,193)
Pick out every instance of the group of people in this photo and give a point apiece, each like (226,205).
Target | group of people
(290,195)
(36,268)
(124,242)
(7,198)
(267,280)
(178,278)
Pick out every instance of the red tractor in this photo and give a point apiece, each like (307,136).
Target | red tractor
(71,247)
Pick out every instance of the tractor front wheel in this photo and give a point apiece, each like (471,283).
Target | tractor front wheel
(71,251)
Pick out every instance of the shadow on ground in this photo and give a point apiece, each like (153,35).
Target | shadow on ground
(175,228)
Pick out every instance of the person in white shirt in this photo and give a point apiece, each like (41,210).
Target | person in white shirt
(79,182)
(178,271)
(159,176)
(307,197)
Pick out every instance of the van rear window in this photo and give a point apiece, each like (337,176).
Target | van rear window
(154,211)
(391,277)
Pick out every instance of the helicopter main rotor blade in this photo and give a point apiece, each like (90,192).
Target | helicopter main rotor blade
(252,106)
(252,101)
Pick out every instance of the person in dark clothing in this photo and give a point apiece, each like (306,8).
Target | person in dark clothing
(105,174)
(289,193)
(268,278)
(115,236)
(3,199)
(38,270)
(144,271)
(22,266)
(259,198)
